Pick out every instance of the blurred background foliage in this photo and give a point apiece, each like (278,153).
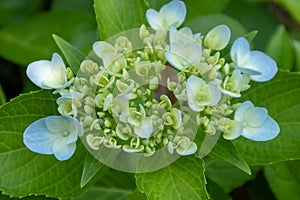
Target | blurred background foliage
(26,28)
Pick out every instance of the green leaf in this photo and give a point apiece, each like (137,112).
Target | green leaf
(281,97)
(254,16)
(73,56)
(113,185)
(12,11)
(217,147)
(225,175)
(206,7)
(205,23)
(81,5)
(5,197)
(31,39)
(136,194)
(115,16)
(2,96)
(90,168)
(297,54)
(284,179)
(215,191)
(23,172)
(280,48)
(183,179)
(226,151)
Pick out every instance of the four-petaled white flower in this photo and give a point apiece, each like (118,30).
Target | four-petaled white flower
(49,74)
(53,135)
(184,49)
(218,37)
(200,94)
(257,124)
(171,14)
(255,63)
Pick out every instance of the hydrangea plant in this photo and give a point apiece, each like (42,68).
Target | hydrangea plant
(152,99)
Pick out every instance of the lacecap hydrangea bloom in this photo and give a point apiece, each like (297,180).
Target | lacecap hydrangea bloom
(146,99)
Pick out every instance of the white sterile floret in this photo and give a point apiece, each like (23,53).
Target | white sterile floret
(171,14)
(257,124)
(184,51)
(200,94)
(218,37)
(53,135)
(48,74)
(257,64)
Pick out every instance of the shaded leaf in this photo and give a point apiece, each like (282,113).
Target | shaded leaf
(2,96)
(205,23)
(284,179)
(297,54)
(280,48)
(183,179)
(225,175)
(116,16)
(31,39)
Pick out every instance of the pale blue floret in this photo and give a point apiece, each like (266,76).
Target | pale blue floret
(257,124)
(53,135)
(257,64)
(171,14)
(49,74)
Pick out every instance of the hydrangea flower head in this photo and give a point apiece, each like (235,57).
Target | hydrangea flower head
(171,14)
(257,64)
(53,135)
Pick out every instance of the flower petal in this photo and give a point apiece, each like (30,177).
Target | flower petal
(268,131)
(145,129)
(239,113)
(154,18)
(57,124)
(48,74)
(174,12)
(263,64)
(218,37)
(240,51)
(255,116)
(38,138)
(62,150)
(215,95)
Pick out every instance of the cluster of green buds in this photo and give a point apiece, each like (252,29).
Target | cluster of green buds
(148,92)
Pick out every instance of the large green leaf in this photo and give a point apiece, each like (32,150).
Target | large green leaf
(31,39)
(183,179)
(280,48)
(116,16)
(284,179)
(23,172)
(215,191)
(281,97)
